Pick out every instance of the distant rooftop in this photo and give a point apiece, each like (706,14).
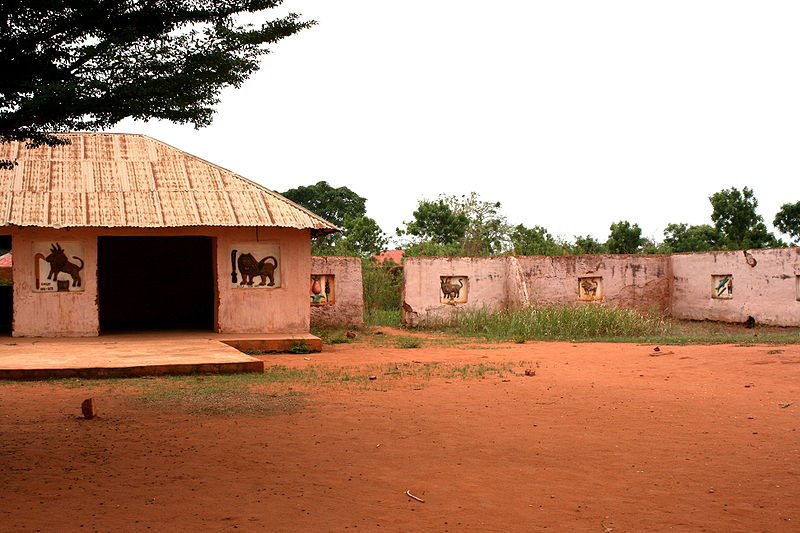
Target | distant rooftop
(126,180)
(395,256)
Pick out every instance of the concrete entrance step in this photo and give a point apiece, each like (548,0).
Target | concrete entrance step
(261,344)
(141,354)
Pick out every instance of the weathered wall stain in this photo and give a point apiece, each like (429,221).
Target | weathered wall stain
(767,284)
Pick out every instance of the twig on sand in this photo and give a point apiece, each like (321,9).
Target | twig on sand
(408,493)
(606,529)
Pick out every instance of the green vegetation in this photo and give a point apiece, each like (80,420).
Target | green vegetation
(333,335)
(408,342)
(85,66)
(382,286)
(299,347)
(383,317)
(467,226)
(458,226)
(360,236)
(280,389)
(588,323)
(787,220)
(738,225)
(551,322)
(625,238)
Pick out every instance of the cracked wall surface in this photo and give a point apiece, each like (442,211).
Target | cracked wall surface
(767,284)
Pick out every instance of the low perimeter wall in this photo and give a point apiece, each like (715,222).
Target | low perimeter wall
(697,286)
(763,284)
(337,293)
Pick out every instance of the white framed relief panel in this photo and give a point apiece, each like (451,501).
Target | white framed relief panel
(722,286)
(255,265)
(590,288)
(58,266)
(453,289)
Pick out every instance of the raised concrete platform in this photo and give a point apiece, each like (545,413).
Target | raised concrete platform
(140,354)
(274,343)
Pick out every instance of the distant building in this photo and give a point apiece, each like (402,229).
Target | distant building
(395,256)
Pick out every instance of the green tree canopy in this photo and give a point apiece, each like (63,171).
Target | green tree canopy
(685,238)
(334,204)
(361,237)
(738,225)
(586,244)
(360,234)
(787,220)
(535,241)
(435,221)
(87,64)
(457,225)
(625,238)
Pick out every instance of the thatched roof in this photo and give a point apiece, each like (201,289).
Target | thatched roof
(124,180)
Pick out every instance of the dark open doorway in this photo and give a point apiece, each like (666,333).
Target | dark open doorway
(6,286)
(155,283)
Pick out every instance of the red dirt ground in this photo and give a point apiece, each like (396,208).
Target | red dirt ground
(605,437)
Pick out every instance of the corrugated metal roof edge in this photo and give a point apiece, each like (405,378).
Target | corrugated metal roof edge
(314,231)
(327,226)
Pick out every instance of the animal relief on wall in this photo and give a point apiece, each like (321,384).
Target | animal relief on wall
(255,265)
(590,288)
(322,292)
(453,289)
(722,286)
(57,266)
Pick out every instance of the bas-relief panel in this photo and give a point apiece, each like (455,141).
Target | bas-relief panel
(590,288)
(57,266)
(722,286)
(453,289)
(322,289)
(255,265)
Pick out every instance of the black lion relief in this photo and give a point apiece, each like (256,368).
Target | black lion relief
(249,268)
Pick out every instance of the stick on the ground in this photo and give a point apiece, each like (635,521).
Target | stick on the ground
(408,493)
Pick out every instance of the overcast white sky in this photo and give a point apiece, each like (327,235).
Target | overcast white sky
(572,114)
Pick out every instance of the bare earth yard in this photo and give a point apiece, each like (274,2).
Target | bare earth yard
(604,437)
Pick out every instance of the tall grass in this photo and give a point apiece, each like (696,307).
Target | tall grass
(560,322)
(383,317)
(382,286)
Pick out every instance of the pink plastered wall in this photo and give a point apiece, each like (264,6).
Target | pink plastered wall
(767,291)
(62,314)
(639,282)
(489,285)
(631,281)
(347,308)
(283,309)
(766,284)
